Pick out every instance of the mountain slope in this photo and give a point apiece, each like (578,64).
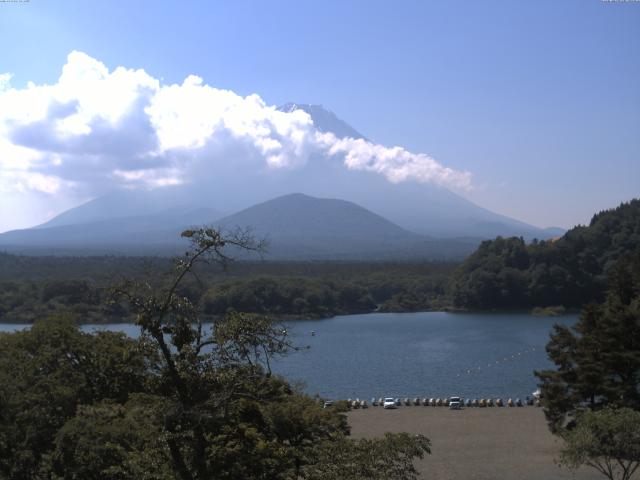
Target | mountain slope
(324,120)
(154,233)
(423,208)
(300,226)
(128,203)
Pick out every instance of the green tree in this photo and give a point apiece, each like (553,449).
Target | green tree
(597,360)
(569,271)
(607,440)
(111,441)
(300,422)
(389,458)
(47,372)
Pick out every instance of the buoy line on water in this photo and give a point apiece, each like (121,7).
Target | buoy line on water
(508,358)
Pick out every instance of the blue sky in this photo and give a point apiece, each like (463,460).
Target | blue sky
(539,100)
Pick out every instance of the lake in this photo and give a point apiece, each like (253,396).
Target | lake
(427,354)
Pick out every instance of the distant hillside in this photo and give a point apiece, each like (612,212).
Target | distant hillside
(570,271)
(299,226)
(151,234)
(160,204)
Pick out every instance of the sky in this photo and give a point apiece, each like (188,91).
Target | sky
(530,109)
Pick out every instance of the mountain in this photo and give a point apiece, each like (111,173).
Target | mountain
(300,226)
(324,120)
(157,233)
(162,204)
(423,209)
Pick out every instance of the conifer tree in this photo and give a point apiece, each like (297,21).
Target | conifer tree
(598,360)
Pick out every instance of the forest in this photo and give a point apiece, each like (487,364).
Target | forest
(34,287)
(571,271)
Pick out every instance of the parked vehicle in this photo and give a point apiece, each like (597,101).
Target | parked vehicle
(389,403)
(455,403)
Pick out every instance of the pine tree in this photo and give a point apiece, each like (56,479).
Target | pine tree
(598,360)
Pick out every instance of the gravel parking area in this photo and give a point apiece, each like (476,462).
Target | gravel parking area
(474,443)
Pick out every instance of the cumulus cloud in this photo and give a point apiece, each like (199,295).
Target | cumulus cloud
(95,129)
(5,80)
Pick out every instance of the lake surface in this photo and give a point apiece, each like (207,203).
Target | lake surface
(429,354)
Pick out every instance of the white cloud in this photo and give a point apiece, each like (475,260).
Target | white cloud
(396,163)
(94,129)
(5,81)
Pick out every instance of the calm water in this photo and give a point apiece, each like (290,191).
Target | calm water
(431,354)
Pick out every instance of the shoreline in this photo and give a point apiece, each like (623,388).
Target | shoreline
(298,318)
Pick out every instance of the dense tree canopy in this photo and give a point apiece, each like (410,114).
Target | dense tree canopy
(47,372)
(37,287)
(569,271)
(607,440)
(598,360)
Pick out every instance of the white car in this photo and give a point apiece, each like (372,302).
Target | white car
(389,403)
(455,403)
